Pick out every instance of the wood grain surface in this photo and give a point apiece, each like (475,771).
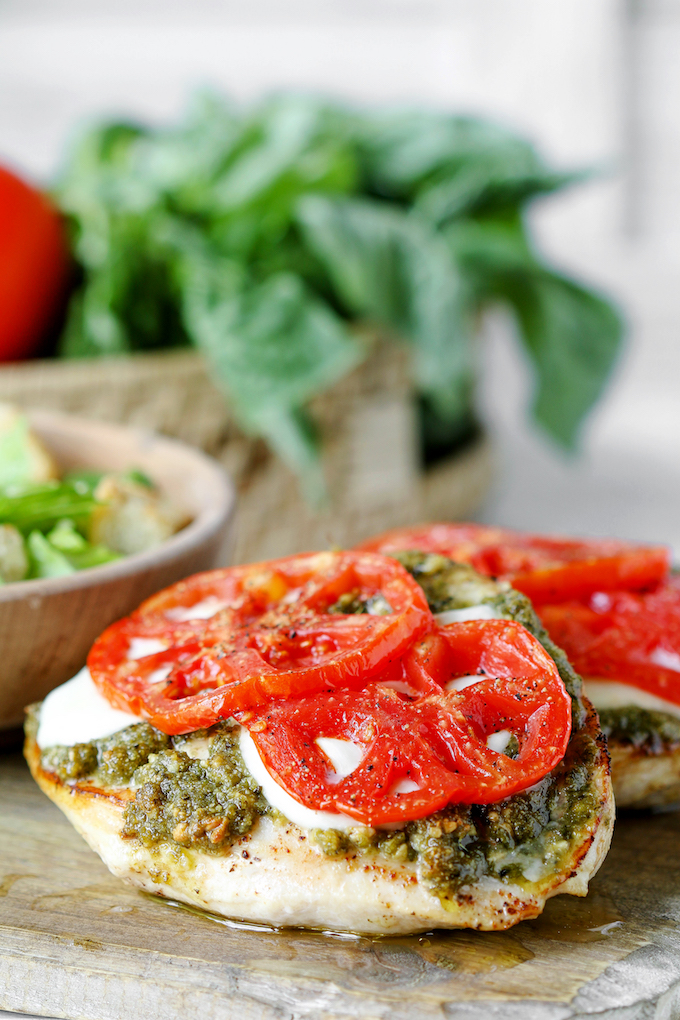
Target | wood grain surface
(77,943)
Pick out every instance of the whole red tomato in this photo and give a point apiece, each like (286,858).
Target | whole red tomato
(34,265)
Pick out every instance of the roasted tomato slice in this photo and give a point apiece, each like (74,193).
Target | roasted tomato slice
(628,637)
(418,755)
(547,569)
(231,639)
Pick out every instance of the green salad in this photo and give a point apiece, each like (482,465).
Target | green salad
(51,526)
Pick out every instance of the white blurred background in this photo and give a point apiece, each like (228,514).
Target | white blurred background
(592,82)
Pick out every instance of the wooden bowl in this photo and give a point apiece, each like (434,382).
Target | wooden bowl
(47,626)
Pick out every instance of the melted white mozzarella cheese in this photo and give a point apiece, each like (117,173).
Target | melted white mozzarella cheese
(76,713)
(612,694)
(303,816)
(666,659)
(140,647)
(204,610)
(344,756)
(498,741)
(159,674)
(480,612)
(404,786)
(461,682)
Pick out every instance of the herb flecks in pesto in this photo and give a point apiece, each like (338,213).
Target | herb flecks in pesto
(178,797)
(110,761)
(646,731)
(520,840)
(364,840)
(195,803)
(447,585)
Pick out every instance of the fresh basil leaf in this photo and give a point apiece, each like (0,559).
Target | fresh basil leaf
(181,163)
(403,149)
(486,249)
(139,477)
(298,145)
(573,337)
(388,266)
(255,235)
(363,246)
(131,301)
(272,346)
(453,166)
(93,328)
(483,188)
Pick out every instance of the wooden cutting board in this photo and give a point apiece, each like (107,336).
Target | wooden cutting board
(76,942)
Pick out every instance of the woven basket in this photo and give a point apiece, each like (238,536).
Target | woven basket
(369,447)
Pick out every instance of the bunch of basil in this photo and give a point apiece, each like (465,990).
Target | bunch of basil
(261,236)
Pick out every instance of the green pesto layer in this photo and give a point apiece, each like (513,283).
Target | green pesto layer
(645,731)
